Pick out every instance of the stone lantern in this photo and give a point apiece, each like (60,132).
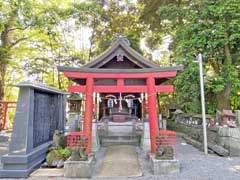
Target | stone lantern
(75,120)
(75,103)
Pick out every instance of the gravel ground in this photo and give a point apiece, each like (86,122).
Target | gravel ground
(194,166)
(4,138)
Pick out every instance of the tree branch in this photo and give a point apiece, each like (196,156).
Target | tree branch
(17,28)
(18,41)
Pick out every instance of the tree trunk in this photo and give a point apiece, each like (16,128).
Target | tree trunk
(223,97)
(3,68)
(5,39)
(7,36)
(2,76)
(227,50)
(59,80)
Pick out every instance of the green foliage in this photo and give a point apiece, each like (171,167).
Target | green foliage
(210,27)
(117,17)
(211,108)
(56,154)
(41,35)
(187,89)
(64,152)
(37,36)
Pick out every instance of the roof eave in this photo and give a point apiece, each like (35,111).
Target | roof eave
(115,71)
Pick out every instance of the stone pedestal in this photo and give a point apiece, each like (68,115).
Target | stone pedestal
(164,124)
(73,123)
(40,111)
(145,141)
(95,138)
(160,167)
(79,169)
(229,138)
(160,123)
(238,117)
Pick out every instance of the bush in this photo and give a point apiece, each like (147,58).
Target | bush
(58,154)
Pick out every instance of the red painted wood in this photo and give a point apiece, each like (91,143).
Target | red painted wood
(76,88)
(166,138)
(84,75)
(77,139)
(5,110)
(6,105)
(8,102)
(120,88)
(152,112)
(87,124)
(164,88)
(151,89)
(120,82)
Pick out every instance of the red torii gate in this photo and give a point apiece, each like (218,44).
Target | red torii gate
(5,106)
(150,88)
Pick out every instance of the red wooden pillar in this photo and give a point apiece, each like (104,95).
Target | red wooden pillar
(152,111)
(87,124)
(4,114)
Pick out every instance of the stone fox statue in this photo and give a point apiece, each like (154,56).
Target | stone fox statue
(59,139)
(164,152)
(79,154)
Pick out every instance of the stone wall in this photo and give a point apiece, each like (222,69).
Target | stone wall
(229,138)
(221,140)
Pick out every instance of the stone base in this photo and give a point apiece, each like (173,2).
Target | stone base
(145,140)
(95,138)
(79,169)
(229,138)
(160,167)
(20,166)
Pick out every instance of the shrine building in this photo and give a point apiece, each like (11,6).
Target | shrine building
(120,86)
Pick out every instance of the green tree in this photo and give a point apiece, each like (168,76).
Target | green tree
(117,17)
(210,27)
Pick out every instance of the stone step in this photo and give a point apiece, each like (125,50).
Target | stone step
(107,142)
(119,140)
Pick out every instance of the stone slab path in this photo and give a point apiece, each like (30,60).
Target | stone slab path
(120,161)
(48,173)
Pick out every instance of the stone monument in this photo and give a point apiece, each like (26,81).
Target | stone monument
(40,111)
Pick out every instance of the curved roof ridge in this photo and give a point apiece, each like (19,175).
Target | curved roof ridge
(127,48)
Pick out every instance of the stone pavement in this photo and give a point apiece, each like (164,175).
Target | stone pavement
(120,161)
(4,139)
(194,166)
